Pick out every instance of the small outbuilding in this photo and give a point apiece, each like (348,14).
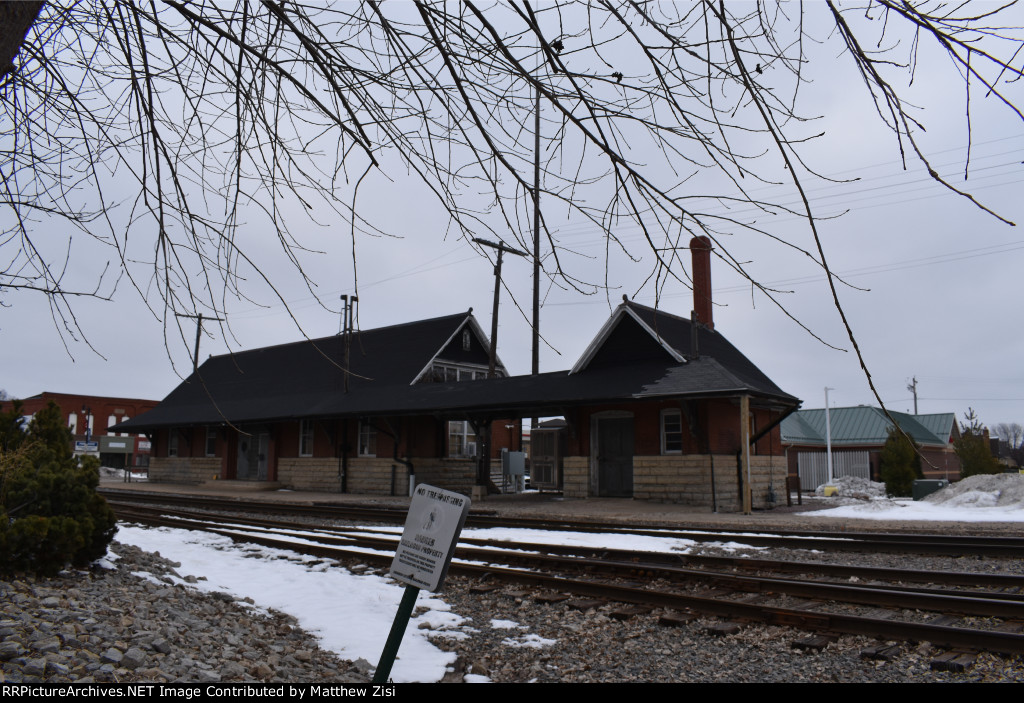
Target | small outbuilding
(858,435)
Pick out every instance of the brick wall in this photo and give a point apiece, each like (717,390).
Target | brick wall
(183,469)
(686,479)
(309,474)
(373,476)
(457,475)
(575,476)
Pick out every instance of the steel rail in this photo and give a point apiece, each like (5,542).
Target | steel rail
(940,635)
(987,605)
(644,560)
(847,541)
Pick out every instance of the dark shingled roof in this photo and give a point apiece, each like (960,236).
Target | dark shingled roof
(627,361)
(292,380)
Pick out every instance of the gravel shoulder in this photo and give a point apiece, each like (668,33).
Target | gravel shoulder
(112,624)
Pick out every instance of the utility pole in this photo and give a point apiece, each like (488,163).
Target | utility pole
(535,366)
(347,316)
(199,329)
(500,246)
(828,437)
(484,428)
(912,387)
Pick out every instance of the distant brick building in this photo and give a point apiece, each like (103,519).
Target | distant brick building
(89,416)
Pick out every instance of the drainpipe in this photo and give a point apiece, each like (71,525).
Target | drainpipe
(343,459)
(395,438)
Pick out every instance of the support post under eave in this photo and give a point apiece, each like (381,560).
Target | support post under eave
(745,443)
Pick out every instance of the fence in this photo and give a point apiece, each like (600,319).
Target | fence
(813,467)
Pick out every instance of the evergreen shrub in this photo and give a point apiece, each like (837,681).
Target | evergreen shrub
(50,513)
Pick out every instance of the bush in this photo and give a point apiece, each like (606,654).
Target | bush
(975,455)
(973,448)
(901,464)
(50,513)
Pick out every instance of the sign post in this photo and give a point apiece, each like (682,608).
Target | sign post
(432,529)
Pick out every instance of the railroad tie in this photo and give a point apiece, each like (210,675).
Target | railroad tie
(883,652)
(484,588)
(956,662)
(628,612)
(814,643)
(551,598)
(721,629)
(585,604)
(676,618)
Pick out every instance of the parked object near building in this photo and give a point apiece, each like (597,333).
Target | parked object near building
(858,436)
(89,418)
(657,408)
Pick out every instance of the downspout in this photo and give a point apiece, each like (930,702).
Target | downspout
(395,438)
(343,458)
(690,410)
(778,421)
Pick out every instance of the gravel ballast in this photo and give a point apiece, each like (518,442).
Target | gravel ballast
(108,624)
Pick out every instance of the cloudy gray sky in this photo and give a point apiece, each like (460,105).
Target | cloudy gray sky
(934,282)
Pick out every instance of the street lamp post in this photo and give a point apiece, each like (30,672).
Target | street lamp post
(828,437)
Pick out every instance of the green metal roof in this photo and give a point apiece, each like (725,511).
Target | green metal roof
(863,424)
(942,425)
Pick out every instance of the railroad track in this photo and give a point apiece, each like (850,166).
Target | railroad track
(986,617)
(892,543)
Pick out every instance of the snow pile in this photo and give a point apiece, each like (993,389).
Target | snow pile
(107,472)
(855,487)
(983,491)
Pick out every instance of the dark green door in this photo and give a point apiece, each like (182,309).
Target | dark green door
(615,457)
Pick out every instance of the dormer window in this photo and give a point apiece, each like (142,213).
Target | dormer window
(467,340)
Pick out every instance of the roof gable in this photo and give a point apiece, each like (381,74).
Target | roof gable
(942,425)
(631,322)
(625,337)
(452,349)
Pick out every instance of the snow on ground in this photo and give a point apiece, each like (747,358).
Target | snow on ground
(994,498)
(352,614)
(111,474)
(636,543)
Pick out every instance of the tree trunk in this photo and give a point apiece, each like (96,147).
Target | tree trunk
(15,20)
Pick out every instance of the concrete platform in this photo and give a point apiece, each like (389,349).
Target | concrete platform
(553,505)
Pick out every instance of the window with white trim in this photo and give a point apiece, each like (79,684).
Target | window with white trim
(367,439)
(305,438)
(172,442)
(450,373)
(671,432)
(73,423)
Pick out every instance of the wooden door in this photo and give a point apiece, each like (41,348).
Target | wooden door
(615,457)
(253,448)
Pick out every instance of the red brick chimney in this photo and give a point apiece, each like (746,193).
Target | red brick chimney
(700,249)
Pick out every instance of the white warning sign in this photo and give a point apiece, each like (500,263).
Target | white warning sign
(432,528)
